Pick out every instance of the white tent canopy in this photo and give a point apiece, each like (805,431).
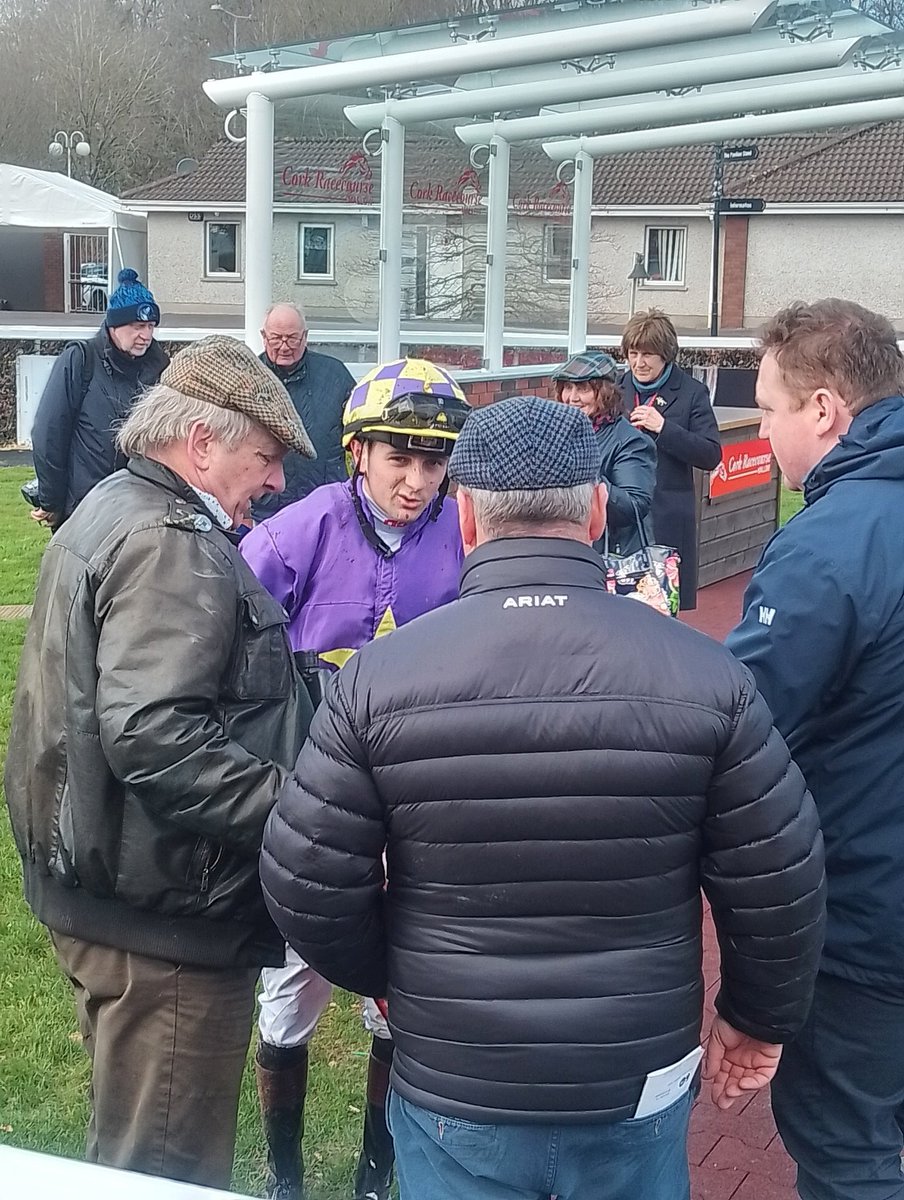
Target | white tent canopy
(49,200)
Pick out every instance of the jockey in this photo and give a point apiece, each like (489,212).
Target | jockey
(351,562)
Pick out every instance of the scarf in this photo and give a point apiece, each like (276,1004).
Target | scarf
(646,389)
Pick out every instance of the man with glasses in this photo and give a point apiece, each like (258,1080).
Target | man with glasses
(319,387)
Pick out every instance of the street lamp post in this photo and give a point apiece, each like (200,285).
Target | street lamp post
(236,17)
(637,274)
(67,142)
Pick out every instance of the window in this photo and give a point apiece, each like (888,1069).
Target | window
(315,251)
(222,248)
(665,253)
(556,252)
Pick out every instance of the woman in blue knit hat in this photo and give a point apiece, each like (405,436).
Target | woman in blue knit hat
(89,393)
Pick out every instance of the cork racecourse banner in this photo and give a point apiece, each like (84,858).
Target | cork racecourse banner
(744,465)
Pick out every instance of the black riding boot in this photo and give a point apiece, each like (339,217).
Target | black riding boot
(373,1177)
(282,1080)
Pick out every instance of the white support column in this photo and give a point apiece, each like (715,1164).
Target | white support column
(580,252)
(497,231)
(258,247)
(392,177)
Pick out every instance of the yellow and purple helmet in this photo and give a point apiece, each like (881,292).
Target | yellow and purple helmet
(412,404)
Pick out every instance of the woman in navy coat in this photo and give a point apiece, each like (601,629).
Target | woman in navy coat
(627,457)
(673,409)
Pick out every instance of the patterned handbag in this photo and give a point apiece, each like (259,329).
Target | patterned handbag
(651,574)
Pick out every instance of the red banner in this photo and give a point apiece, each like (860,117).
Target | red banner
(743,465)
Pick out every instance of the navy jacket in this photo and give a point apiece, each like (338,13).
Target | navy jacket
(823,633)
(553,772)
(319,386)
(628,467)
(689,438)
(89,393)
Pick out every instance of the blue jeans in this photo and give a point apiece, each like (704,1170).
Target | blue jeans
(444,1158)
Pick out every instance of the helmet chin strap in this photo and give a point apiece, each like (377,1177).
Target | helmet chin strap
(371,536)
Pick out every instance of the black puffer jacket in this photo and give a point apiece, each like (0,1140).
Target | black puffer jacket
(554,773)
(157,713)
(91,389)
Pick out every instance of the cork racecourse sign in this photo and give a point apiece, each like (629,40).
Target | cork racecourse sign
(353,182)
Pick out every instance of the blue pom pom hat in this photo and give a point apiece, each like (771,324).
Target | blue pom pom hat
(131,301)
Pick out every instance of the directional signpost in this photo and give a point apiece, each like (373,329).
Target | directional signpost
(740,153)
(723,206)
(739,204)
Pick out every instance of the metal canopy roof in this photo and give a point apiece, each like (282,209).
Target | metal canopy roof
(639,56)
(495,24)
(638,26)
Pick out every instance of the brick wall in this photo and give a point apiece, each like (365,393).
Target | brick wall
(486,391)
(54,291)
(734,272)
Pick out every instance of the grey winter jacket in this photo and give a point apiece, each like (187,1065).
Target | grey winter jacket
(155,717)
(553,772)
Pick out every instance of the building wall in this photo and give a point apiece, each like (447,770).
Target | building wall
(352,293)
(617,239)
(176,268)
(176,265)
(810,257)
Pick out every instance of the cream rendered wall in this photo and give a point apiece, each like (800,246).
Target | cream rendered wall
(810,257)
(352,293)
(615,242)
(176,265)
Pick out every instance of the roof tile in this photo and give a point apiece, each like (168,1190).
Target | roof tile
(864,164)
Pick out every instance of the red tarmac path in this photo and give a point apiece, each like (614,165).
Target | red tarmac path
(734,1155)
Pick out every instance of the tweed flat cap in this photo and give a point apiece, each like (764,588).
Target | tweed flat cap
(589,365)
(525,443)
(225,372)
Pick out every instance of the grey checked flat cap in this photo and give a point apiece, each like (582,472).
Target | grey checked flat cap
(223,371)
(525,443)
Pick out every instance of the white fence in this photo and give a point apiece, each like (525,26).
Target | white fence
(32,371)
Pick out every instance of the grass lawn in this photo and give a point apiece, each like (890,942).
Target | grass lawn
(792,502)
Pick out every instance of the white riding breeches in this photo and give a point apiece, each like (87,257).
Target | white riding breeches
(292,1000)
(294,997)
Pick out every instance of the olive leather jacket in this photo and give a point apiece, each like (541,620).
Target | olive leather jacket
(156,713)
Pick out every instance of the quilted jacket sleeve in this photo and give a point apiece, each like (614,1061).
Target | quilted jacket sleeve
(763,873)
(322,857)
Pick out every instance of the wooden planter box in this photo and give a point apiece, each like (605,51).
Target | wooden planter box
(737,505)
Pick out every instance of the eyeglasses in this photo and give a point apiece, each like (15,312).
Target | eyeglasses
(291,340)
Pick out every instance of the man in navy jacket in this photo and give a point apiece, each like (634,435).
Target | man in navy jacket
(319,386)
(823,634)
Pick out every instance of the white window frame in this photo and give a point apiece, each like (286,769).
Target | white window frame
(237,273)
(317,276)
(680,251)
(548,228)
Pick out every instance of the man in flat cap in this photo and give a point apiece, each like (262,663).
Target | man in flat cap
(156,717)
(552,772)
